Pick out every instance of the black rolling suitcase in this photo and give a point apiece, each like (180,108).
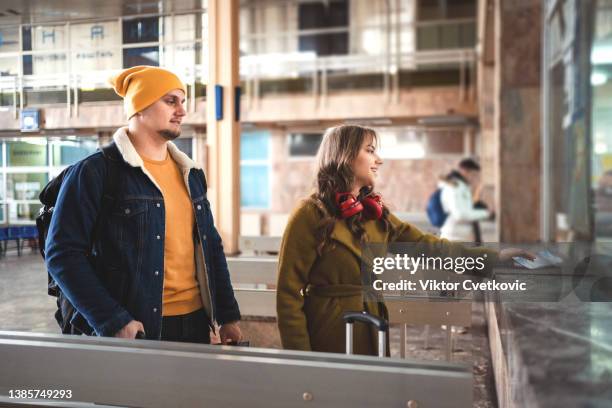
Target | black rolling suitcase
(381,324)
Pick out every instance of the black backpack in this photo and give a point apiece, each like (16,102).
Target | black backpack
(65,314)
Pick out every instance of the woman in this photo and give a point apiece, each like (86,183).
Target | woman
(321,252)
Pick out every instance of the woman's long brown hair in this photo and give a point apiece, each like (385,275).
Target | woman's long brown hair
(334,174)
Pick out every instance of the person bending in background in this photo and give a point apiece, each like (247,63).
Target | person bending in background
(464,214)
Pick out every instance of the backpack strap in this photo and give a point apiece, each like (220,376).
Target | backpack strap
(111,182)
(110,189)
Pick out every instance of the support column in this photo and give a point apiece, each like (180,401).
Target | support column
(517,119)
(487,104)
(223,134)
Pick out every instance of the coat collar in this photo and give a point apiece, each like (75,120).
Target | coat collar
(131,156)
(342,235)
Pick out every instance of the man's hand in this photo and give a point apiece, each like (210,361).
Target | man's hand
(230,332)
(509,253)
(129,330)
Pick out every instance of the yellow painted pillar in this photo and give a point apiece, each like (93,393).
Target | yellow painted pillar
(222,128)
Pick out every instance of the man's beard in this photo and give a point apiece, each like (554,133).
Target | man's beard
(168,134)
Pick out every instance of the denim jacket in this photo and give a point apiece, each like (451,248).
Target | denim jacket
(123,279)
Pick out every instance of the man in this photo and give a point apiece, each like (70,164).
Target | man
(158,265)
(456,197)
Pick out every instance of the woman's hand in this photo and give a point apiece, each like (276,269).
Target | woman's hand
(509,253)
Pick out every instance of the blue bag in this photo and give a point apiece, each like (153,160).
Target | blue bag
(435,212)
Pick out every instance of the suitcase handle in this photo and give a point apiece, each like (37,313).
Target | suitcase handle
(381,324)
(364,317)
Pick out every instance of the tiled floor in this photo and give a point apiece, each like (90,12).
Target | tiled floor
(24,303)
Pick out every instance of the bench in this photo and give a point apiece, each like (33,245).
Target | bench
(19,234)
(260,245)
(253,279)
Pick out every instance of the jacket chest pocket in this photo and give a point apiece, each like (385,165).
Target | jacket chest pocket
(128,222)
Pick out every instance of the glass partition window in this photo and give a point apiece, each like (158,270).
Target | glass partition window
(254,186)
(141,30)
(44,54)
(450,34)
(400,143)
(2,188)
(49,64)
(25,186)
(9,39)
(22,195)
(279,40)
(141,56)
(8,66)
(185,145)
(304,144)
(181,31)
(27,154)
(439,10)
(137,31)
(23,213)
(52,37)
(286,44)
(27,165)
(601,82)
(254,169)
(568,61)
(437,37)
(48,39)
(67,152)
(367,19)
(316,15)
(95,46)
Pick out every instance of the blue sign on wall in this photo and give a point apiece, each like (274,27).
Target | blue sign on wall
(30,120)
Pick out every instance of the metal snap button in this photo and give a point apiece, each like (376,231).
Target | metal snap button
(127,210)
(199,207)
(158,205)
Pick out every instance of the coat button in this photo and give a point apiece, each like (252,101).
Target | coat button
(158,205)
(199,207)
(127,210)
(158,237)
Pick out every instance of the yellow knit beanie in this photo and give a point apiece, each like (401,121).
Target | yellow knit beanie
(142,85)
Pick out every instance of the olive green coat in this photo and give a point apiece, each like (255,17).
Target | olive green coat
(311,321)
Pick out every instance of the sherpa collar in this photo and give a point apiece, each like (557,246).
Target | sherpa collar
(131,156)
